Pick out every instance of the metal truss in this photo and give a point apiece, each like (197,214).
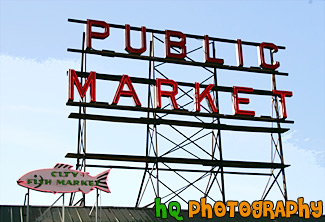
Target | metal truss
(191,159)
(276,149)
(215,175)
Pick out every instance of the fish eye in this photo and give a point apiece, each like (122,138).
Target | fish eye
(35,176)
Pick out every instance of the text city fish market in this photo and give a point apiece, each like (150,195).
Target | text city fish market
(198,96)
(60,175)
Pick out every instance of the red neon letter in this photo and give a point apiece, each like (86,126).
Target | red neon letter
(205,94)
(283,94)
(239,53)
(207,52)
(238,100)
(181,45)
(171,94)
(96,35)
(128,47)
(261,58)
(90,82)
(131,92)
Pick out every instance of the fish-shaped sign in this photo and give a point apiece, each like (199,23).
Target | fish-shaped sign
(62,179)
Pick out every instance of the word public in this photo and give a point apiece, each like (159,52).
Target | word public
(171,94)
(181,44)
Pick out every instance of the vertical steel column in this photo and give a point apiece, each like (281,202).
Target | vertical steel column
(27,205)
(96,205)
(151,104)
(63,215)
(218,139)
(276,143)
(81,146)
(84,129)
(155,116)
(276,108)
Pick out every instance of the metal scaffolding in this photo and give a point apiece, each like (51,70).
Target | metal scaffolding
(276,148)
(205,161)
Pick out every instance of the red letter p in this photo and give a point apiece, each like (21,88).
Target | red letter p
(96,35)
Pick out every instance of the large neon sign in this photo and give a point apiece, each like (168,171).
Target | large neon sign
(125,80)
(197,97)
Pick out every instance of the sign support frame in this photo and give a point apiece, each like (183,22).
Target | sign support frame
(152,124)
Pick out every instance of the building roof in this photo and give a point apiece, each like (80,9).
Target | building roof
(108,214)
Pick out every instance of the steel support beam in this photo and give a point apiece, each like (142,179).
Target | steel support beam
(177,123)
(203,162)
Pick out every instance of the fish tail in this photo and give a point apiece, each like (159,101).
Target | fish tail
(101,181)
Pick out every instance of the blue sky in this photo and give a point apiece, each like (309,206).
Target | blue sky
(35,130)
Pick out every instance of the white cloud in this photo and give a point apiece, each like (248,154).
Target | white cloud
(305,176)
(34,129)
